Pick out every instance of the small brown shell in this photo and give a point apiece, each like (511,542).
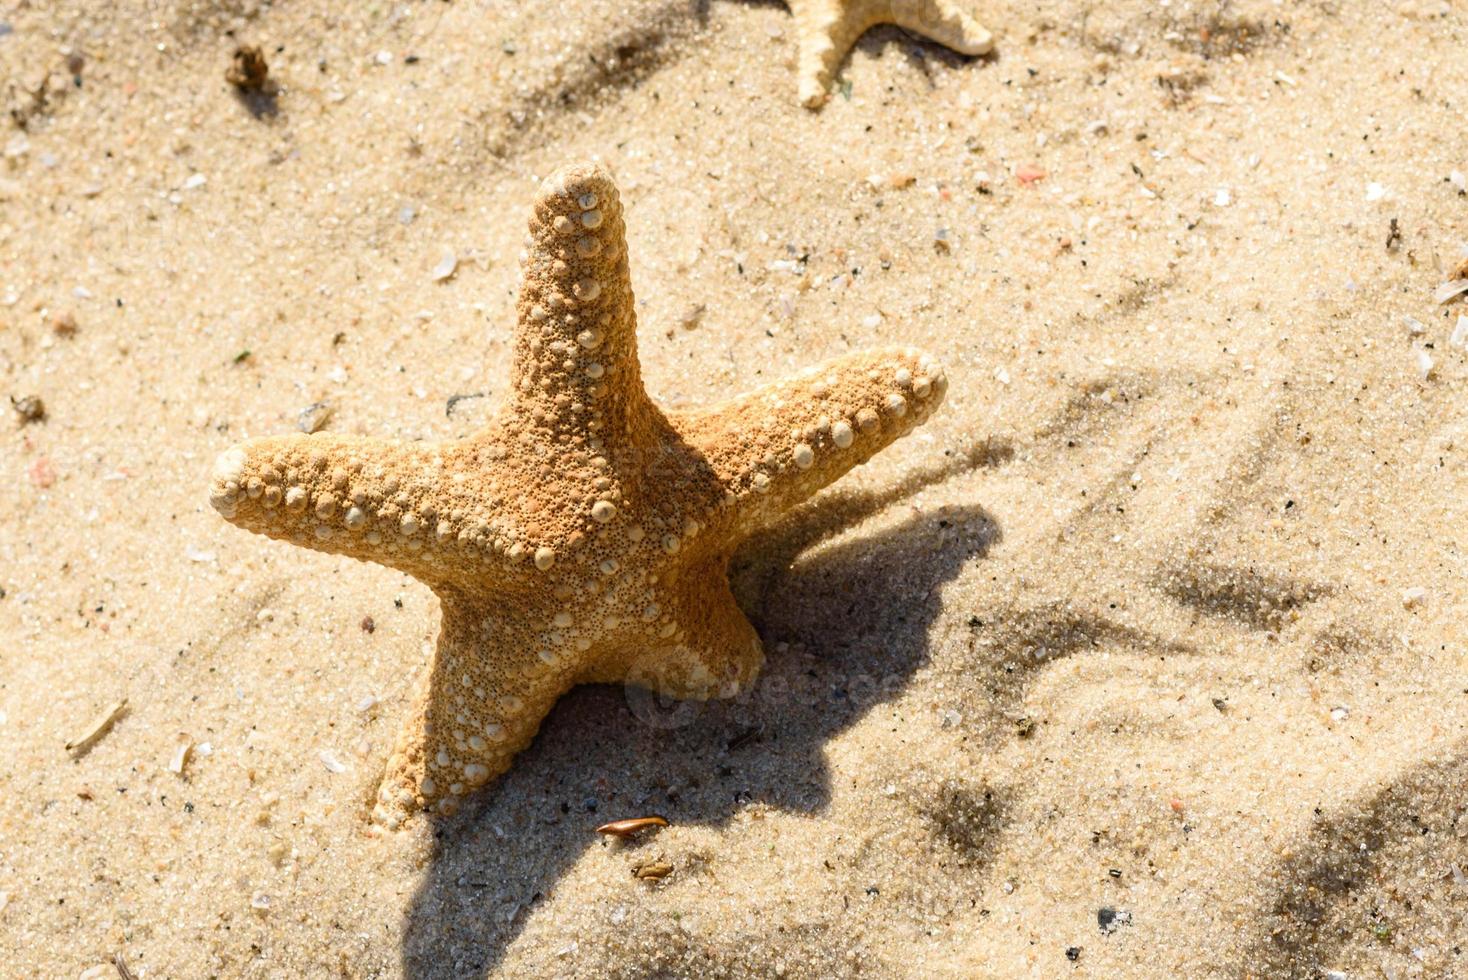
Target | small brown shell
(630,826)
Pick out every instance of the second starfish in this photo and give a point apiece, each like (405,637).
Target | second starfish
(826,30)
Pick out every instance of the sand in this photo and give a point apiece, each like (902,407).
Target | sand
(1143,658)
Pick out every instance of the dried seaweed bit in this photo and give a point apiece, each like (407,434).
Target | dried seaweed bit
(98,728)
(123,973)
(182,750)
(632,825)
(744,737)
(249,72)
(454,400)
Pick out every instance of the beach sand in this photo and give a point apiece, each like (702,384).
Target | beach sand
(1143,658)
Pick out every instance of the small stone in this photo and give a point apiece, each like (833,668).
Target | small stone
(1413,597)
(313,417)
(63,324)
(249,71)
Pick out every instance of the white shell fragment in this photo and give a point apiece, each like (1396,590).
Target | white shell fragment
(446,267)
(1448,290)
(1459,336)
(183,749)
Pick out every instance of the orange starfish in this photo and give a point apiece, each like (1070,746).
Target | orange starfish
(584,535)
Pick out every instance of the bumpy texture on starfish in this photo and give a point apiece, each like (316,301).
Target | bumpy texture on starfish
(826,30)
(585,534)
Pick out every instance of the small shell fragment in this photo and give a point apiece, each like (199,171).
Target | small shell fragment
(1448,290)
(630,826)
(98,728)
(183,748)
(652,870)
(447,265)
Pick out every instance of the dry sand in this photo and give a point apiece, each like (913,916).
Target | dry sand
(1149,647)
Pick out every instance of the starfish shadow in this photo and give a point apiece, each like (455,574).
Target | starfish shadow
(845,622)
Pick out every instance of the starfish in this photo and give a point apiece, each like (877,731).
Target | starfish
(828,28)
(584,535)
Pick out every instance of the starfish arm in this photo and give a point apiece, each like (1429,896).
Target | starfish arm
(376,500)
(776,446)
(479,705)
(824,34)
(575,374)
(945,22)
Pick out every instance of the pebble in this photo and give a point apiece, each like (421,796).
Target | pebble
(30,408)
(42,472)
(1457,179)
(1340,713)
(195,181)
(1223,198)
(260,902)
(63,324)
(1413,597)
(1375,191)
